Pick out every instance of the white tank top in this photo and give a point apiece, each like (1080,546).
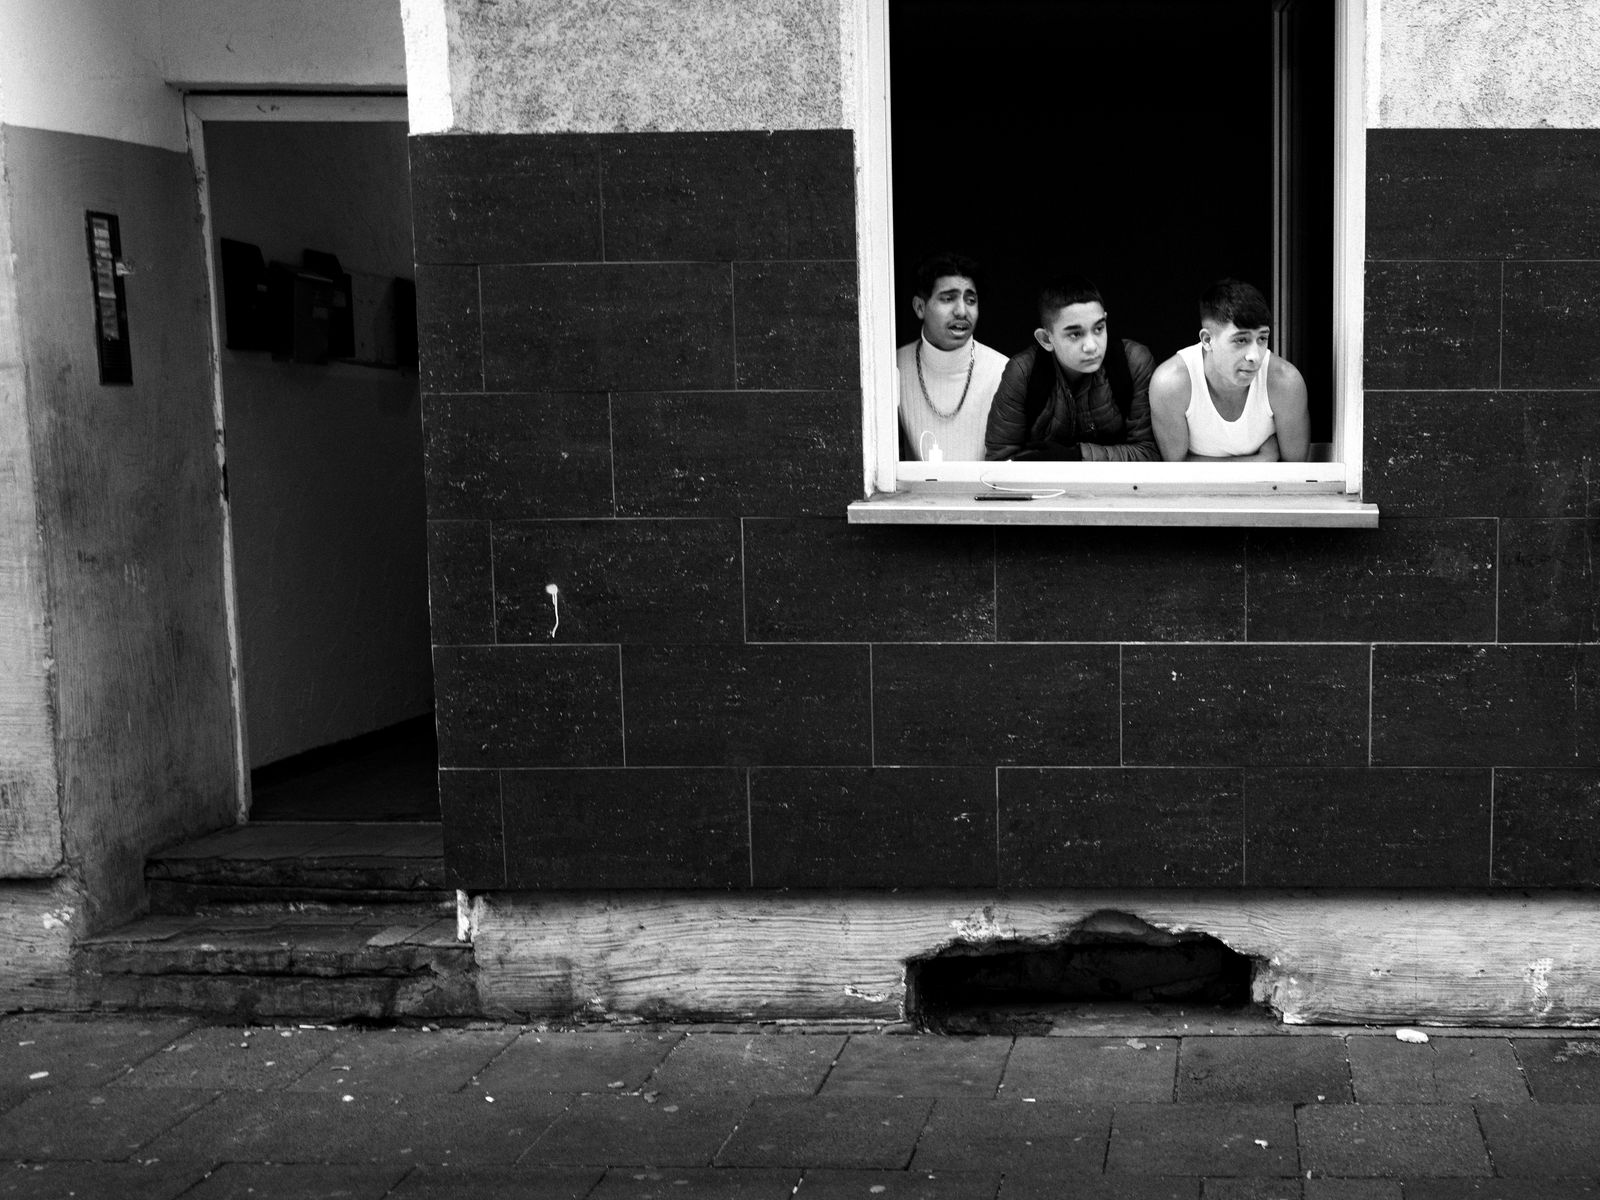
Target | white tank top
(1209,434)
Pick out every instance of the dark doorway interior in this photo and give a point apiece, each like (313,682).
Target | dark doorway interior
(388,775)
(1129,140)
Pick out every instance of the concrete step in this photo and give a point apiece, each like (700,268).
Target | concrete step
(314,961)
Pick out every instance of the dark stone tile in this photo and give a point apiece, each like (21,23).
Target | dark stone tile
(498,198)
(700,1183)
(1499,1189)
(79,1051)
(630,1131)
(1038,705)
(1366,1189)
(871,827)
(1484,193)
(460,583)
(1392,1140)
(527,706)
(1251,1189)
(1547,828)
(827,1131)
(1113,827)
(618,327)
(1244,705)
(1299,1070)
(1203,1139)
(449,329)
(1052,1185)
(903,1185)
(1561,1070)
(626,829)
(1087,1070)
(1432,325)
(1518,706)
(747,705)
(1444,1070)
(1549,590)
(797,324)
(737,453)
(498,1183)
(1407,580)
(733,195)
(1126,585)
(126,1181)
(872,1065)
(1367,828)
(106,1123)
(1045,1136)
(620,581)
(762,1065)
(221,1056)
(502,457)
(474,840)
(406,1060)
(1481,455)
(1541,1140)
(813,580)
(570,1062)
(1550,315)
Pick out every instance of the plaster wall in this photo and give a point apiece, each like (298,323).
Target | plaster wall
(288,43)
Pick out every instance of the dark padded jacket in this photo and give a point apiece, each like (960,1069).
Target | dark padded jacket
(1088,418)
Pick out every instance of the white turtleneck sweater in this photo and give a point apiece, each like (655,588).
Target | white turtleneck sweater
(955,427)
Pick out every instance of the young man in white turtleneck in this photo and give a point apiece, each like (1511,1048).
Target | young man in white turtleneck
(947,378)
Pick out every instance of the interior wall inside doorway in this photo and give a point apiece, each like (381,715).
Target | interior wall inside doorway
(324,462)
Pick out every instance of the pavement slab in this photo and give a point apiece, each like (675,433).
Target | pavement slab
(899,1185)
(1250,1189)
(38,1052)
(311,1127)
(602,1061)
(630,1131)
(827,1131)
(1014,1135)
(1392,1140)
(880,1065)
(1091,1070)
(1299,1070)
(1537,1140)
(1443,1070)
(1045,1186)
(1561,1070)
(97,1180)
(229,1057)
(411,1060)
(302,1181)
(759,1065)
(1502,1189)
(700,1183)
(497,1183)
(95,1124)
(1209,1139)
(1352,1189)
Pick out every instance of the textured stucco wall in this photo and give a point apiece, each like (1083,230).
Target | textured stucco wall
(1483,64)
(590,66)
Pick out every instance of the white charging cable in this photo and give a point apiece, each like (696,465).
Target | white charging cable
(555,605)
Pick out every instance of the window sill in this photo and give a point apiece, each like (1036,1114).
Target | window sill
(1307,505)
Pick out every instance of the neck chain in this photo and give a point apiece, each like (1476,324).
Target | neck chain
(972,361)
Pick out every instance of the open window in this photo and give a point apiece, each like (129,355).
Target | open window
(1154,145)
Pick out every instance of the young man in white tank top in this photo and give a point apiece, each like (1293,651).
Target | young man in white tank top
(1228,397)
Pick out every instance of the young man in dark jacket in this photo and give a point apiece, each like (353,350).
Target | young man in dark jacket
(1080,394)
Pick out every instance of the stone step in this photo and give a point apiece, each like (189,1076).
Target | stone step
(323,962)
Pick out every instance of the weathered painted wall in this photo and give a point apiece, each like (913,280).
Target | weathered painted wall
(128,489)
(288,43)
(324,462)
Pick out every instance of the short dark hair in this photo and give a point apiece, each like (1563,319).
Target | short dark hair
(1233,301)
(1061,290)
(947,262)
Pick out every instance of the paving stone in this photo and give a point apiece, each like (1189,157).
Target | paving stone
(1537,1140)
(1257,1069)
(827,1131)
(1385,1070)
(1030,1186)
(1250,1189)
(303,1181)
(1561,1070)
(695,1183)
(92,1180)
(1353,1189)
(631,1131)
(230,1057)
(871,1065)
(79,1052)
(576,1062)
(1091,1070)
(106,1124)
(1210,1139)
(406,1060)
(497,1183)
(899,1185)
(1500,1189)
(1391,1140)
(1014,1135)
(762,1065)
(314,1127)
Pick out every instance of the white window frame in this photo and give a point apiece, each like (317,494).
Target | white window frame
(1311,493)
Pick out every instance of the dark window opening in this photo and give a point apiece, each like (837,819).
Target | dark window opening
(1132,141)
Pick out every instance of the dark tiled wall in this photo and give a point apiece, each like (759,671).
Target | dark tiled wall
(640,369)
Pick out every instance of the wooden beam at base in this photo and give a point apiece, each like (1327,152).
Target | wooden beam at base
(1343,958)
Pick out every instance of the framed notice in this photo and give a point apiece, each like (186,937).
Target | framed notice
(110,298)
